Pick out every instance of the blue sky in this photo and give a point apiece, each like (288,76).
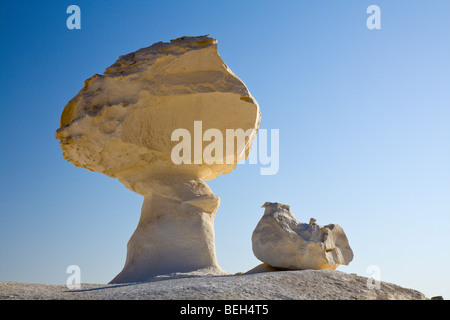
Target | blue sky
(363,117)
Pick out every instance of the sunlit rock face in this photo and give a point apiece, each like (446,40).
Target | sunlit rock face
(281,241)
(122,124)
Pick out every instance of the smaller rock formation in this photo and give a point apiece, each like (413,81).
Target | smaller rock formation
(282,242)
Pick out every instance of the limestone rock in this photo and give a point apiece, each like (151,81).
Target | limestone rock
(282,242)
(121,124)
(175,232)
(263,267)
(283,285)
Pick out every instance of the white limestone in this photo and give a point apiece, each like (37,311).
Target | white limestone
(121,124)
(281,285)
(282,242)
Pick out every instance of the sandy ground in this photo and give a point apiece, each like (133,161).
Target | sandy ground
(281,285)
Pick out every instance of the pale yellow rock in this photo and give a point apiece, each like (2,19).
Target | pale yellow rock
(281,241)
(121,124)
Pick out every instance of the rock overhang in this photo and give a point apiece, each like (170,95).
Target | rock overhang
(120,123)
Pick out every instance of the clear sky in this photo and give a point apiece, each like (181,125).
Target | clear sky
(363,118)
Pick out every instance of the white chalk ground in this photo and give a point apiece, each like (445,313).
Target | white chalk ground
(280,285)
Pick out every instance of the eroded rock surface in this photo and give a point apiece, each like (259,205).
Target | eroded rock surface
(282,285)
(281,241)
(121,124)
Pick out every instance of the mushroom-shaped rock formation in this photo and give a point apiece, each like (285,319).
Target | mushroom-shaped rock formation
(282,242)
(145,122)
